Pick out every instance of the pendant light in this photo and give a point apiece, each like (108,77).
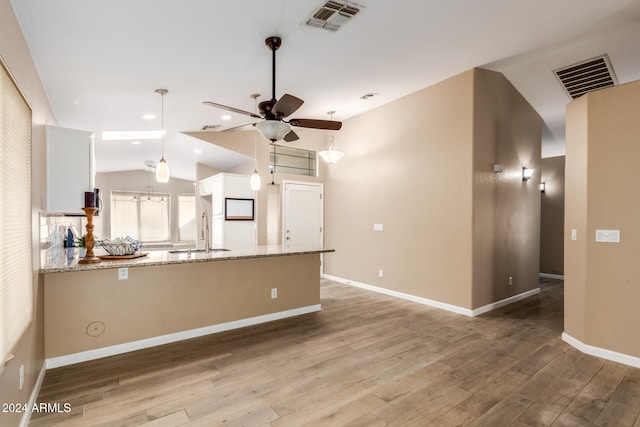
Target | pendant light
(331,155)
(255,176)
(162,169)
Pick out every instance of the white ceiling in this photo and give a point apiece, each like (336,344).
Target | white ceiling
(101,61)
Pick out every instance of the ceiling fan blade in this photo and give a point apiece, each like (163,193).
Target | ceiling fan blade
(235,110)
(286,105)
(246,125)
(316,124)
(291,136)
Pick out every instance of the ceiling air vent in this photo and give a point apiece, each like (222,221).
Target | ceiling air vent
(333,14)
(587,76)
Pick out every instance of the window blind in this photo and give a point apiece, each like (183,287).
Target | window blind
(143,216)
(16,276)
(186,217)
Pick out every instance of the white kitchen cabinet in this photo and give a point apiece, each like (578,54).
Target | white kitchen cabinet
(230,234)
(229,185)
(70,169)
(204,187)
(233,234)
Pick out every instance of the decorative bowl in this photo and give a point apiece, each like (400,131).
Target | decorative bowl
(120,247)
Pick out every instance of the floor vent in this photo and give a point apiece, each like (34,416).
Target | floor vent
(587,76)
(333,14)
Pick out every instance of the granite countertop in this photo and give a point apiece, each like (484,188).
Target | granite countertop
(68,259)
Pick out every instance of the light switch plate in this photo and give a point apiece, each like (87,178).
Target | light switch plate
(378,227)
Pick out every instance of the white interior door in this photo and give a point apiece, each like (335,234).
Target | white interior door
(303,214)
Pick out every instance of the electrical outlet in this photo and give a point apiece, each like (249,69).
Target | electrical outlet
(510,281)
(380,273)
(123,273)
(21,377)
(274,293)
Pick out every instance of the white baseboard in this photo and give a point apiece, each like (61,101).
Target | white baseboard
(26,417)
(603,353)
(551,276)
(506,301)
(433,303)
(99,353)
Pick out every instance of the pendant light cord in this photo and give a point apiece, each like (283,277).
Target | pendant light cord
(162,93)
(255,145)
(162,124)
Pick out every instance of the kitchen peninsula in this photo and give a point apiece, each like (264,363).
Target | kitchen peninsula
(97,310)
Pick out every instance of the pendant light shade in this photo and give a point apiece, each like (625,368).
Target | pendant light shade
(273,130)
(331,155)
(256,182)
(162,170)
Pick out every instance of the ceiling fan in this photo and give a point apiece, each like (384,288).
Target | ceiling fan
(274,111)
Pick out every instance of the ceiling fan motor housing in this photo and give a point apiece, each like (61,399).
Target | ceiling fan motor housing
(265,108)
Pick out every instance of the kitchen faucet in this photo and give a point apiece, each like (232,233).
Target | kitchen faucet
(204,232)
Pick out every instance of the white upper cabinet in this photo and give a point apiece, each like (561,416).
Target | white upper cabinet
(204,186)
(234,234)
(70,169)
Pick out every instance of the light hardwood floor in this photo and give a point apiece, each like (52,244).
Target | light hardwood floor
(365,360)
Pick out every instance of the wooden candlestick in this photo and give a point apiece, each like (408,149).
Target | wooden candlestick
(89,257)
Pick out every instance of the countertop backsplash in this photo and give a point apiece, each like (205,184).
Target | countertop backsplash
(53,231)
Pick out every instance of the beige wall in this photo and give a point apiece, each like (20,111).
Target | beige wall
(423,166)
(407,165)
(601,279)
(161,300)
(137,181)
(30,350)
(552,217)
(506,210)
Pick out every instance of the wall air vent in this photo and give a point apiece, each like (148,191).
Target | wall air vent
(333,14)
(587,76)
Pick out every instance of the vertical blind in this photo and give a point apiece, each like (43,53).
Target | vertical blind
(16,291)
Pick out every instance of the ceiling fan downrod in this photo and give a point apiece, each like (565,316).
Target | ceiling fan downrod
(273,43)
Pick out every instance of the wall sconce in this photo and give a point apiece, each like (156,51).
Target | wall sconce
(497,168)
(542,185)
(526,174)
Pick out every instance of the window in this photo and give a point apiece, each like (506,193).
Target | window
(16,276)
(142,216)
(295,161)
(186,217)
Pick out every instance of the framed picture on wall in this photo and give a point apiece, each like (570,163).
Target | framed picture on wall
(238,209)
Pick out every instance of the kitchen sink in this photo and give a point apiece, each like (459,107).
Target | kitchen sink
(188,251)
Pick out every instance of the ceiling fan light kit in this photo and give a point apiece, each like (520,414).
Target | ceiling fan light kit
(273,130)
(274,111)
